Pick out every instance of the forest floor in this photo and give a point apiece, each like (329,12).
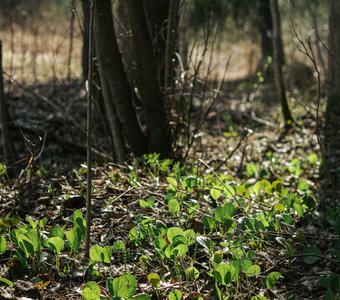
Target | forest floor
(241,218)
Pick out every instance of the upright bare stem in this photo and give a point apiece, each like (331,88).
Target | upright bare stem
(89,133)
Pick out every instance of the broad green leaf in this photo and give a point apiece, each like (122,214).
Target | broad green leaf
(124,286)
(258,297)
(154,279)
(118,246)
(26,245)
(272,279)
(174,207)
(313,158)
(179,240)
(142,297)
(172,181)
(190,236)
(279,207)
(303,186)
(209,223)
(311,255)
(206,243)
(192,273)
(73,237)
(3,245)
(251,169)
(215,193)
(189,182)
(79,221)
(179,251)
(57,231)
(55,243)
(91,291)
(224,273)
(100,254)
(253,270)
(172,231)
(175,295)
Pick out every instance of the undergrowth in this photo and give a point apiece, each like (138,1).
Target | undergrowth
(177,232)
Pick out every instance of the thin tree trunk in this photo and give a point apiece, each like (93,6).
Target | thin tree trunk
(278,63)
(116,91)
(332,119)
(85,50)
(266,29)
(147,80)
(5,141)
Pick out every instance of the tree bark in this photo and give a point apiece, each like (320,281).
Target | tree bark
(332,118)
(116,90)
(147,79)
(278,63)
(85,49)
(266,29)
(5,141)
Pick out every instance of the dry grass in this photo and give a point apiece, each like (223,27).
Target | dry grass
(40,53)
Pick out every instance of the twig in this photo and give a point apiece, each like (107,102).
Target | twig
(244,136)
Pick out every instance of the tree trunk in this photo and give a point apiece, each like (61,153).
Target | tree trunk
(5,140)
(85,49)
(278,63)
(116,90)
(147,79)
(266,29)
(332,118)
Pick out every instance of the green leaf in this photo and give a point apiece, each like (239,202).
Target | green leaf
(279,207)
(154,279)
(73,237)
(206,243)
(57,231)
(55,243)
(251,169)
(312,255)
(79,221)
(142,297)
(313,158)
(175,295)
(215,193)
(272,279)
(91,291)
(253,270)
(192,273)
(174,207)
(224,273)
(7,281)
(172,231)
(124,286)
(258,297)
(303,186)
(3,245)
(118,246)
(100,254)
(209,223)
(172,181)
(179,251)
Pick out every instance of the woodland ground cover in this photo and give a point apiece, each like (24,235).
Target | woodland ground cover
(239,219)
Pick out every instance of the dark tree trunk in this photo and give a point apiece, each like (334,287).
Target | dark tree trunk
(147,79)
(332,119)
(85,50)
(5,141)
(266,29)
(116,90)
(278,63)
